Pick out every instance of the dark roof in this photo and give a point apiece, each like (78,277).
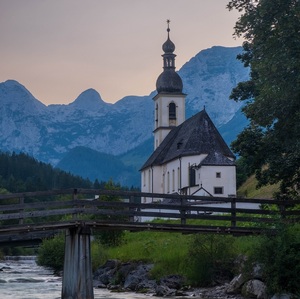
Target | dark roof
(169,82)
(216,158)
(197,135)
(168,46)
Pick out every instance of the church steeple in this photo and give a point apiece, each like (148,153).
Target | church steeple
(168,47)
(169,101)
(169,81)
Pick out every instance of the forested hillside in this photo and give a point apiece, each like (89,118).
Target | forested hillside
(22,173)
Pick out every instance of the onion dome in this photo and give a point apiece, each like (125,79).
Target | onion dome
(168,46)
(169,81)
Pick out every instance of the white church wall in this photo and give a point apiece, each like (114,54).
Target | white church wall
(218,180)
(163,109)
(186,163)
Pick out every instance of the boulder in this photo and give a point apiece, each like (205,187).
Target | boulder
(254,289)
(137,276)
(172,281)
(235,286)
(164,291)
(284,296)
(257,271)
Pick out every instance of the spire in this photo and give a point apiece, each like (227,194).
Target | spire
(169,47)
(169,80)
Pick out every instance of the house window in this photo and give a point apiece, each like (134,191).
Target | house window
(172,111)
(218,174)
(168,182)
(218,190)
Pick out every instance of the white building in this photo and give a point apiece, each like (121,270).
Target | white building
(190,157)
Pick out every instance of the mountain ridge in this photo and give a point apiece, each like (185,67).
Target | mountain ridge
(49,133)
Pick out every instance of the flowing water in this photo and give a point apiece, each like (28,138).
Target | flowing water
(22,278)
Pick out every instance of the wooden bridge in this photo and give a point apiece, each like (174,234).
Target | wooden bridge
(32,216)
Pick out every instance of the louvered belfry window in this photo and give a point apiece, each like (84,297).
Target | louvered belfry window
(172,111)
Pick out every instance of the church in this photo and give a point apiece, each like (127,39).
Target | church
(190,156)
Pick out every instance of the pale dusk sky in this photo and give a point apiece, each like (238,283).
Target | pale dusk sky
(59,48)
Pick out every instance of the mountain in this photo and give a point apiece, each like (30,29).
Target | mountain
(94,165)
(124,129)
(208,79)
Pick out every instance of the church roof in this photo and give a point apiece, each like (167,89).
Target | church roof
(169,82)
(197,135)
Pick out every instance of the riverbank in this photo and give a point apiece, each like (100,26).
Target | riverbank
(135,277)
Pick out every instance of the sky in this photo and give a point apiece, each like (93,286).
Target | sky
(59,48)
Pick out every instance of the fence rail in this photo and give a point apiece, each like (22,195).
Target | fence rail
(29,213)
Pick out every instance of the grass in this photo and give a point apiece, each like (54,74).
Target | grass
(249,190)
(167,251)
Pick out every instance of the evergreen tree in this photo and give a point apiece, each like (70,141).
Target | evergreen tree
(271,143)
(22,173)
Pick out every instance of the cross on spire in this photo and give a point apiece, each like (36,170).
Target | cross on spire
(168,22)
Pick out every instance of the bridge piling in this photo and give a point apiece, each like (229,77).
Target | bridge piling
(77,275)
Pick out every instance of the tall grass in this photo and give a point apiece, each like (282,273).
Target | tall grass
(167,251)
(176,253)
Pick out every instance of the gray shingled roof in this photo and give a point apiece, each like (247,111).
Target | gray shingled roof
(197,135)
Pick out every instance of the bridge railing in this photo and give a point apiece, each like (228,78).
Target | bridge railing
(114,209)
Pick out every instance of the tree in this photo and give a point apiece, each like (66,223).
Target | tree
(271,142)
(110,237)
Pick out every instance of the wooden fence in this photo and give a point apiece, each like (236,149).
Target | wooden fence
(32,214)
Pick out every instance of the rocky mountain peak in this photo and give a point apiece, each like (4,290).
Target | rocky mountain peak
(90,99)
(15,97)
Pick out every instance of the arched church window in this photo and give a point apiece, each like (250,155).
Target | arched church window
(192,176)
(173,180)
(172,111)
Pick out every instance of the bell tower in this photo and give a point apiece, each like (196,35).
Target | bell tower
(169,101)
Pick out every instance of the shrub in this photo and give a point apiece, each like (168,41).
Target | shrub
(210,259)
(280,257)
(99,255)
(110,237)
(51,253)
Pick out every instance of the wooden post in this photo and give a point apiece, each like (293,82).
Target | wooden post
(182,212)
(131,217)
(21,220)
(233,212)
(77,275)
(74,196)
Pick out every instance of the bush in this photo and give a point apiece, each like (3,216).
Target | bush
(99,255)
(110,237)
(210,259)
(51,253)
(280,257)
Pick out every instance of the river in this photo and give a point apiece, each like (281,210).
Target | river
(22,278)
